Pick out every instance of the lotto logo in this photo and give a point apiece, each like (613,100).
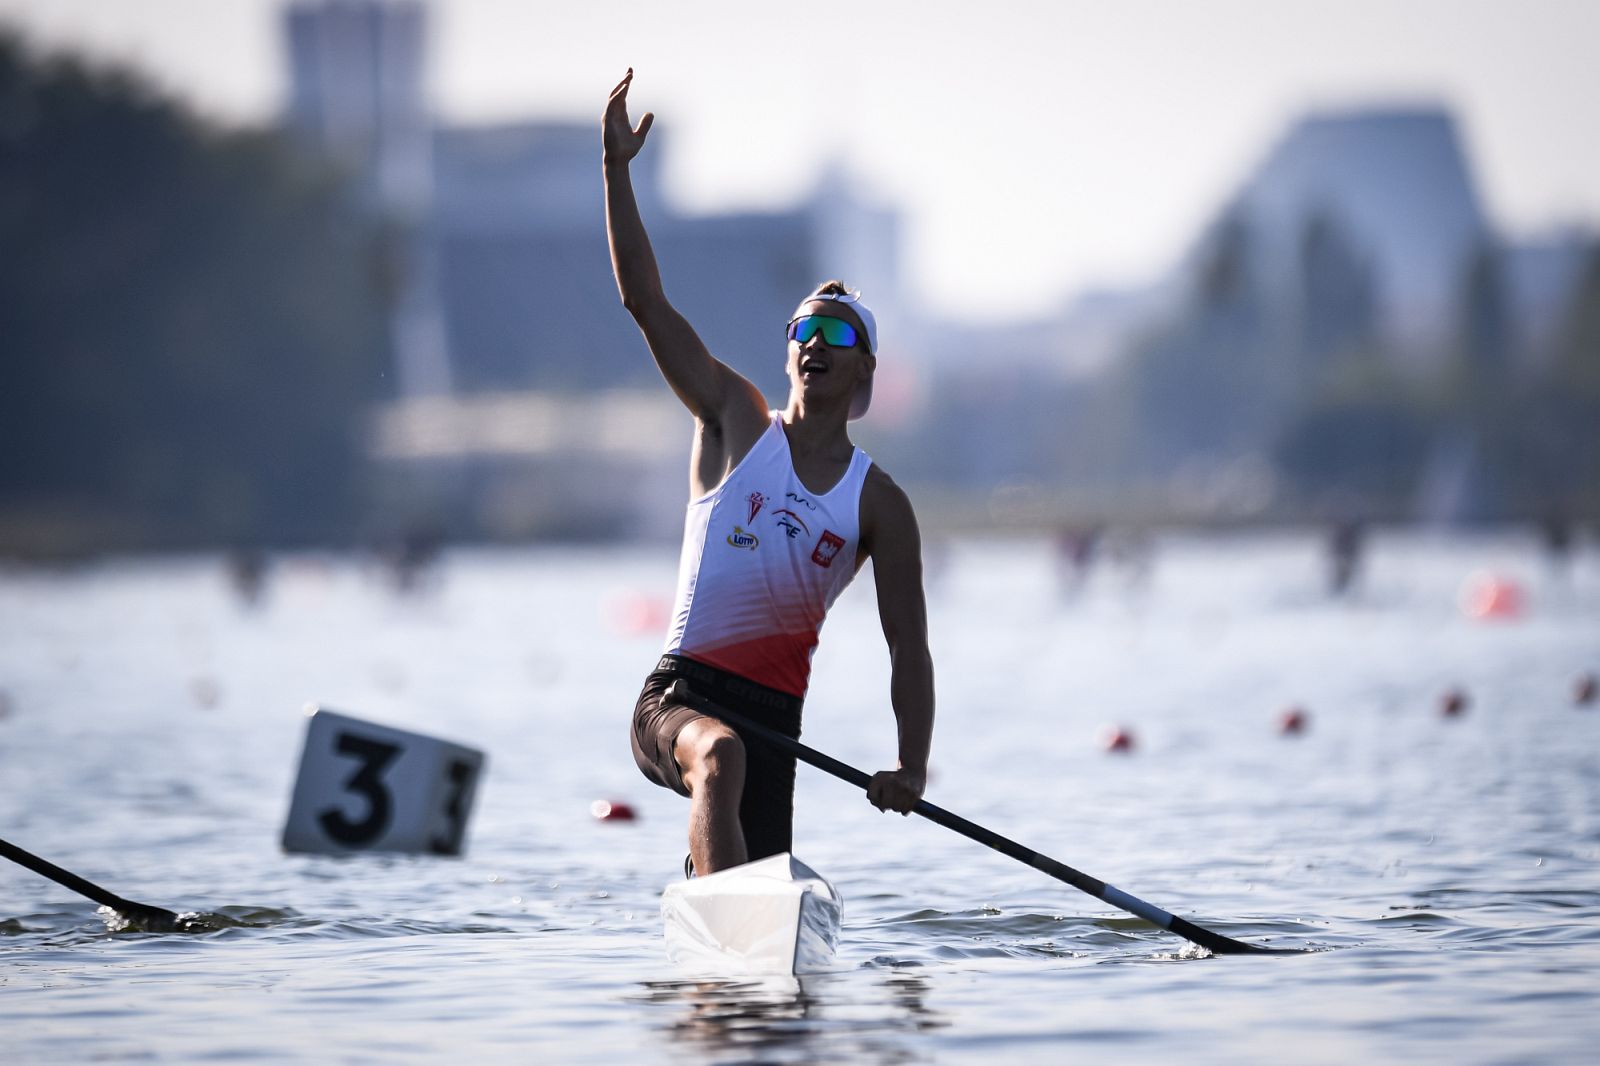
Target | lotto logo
(740,539)
(827,547)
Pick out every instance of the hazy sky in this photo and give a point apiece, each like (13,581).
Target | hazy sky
(1035,147)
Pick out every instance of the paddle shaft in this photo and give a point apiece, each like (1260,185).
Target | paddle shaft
(1213,942)
(143,911)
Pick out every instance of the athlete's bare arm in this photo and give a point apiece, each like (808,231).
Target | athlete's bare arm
(730,412)
(889,535)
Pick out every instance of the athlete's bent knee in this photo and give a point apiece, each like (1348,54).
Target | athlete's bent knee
(713,753)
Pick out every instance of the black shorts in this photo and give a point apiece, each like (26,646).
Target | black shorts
(766,811)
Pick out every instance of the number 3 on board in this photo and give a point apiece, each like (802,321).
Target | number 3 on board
(368,787)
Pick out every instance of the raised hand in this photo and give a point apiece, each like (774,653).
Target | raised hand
(622,141)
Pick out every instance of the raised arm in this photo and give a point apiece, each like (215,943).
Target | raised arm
(707,387)
(890,537)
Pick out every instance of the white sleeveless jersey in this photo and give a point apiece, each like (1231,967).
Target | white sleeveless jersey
(763,560)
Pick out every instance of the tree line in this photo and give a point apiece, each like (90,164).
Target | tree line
(191,323)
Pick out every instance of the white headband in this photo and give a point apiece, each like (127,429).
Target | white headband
(851,300)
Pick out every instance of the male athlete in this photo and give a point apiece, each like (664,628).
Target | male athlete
(783,511)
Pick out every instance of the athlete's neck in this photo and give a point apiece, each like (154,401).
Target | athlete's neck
(815,431)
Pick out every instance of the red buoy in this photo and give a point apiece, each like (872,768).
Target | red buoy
(1117,739)
(1453,702)
(1293,721)
(608,811)
(1584,690)
(641,614)
(1490,597)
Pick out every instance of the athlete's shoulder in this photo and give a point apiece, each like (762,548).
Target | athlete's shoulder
(885,507)
(742,421)
(878,482)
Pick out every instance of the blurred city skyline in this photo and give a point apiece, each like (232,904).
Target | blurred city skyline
(1111,133)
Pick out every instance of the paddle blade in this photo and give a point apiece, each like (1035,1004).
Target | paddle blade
(131,917)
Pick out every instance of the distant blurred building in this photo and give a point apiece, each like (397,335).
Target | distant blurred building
(507,290)
(1542,277)
(1345,334)
(1348,334)
(357,93)
(529,296)
(1393,189)
(357,96)
(525,276)
(531,307)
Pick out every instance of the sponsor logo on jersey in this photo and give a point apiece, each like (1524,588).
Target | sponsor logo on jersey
(791,523)
(827,547)
(748,541)
(756,501)
(801,500)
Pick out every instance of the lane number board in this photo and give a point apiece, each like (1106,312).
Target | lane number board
(368,787)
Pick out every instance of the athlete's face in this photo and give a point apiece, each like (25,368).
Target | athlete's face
(819,371)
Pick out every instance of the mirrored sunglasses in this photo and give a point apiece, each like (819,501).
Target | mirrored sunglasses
(836,332)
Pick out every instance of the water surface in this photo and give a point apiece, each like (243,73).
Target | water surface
(1444,870)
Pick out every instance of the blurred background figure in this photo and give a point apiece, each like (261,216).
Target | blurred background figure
(1344,555)
(1555,533)
(1132,551)
(247,574)
(1076,547)
(412,558)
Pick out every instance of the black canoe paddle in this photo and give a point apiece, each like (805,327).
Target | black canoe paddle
(147,918)
(1215,943)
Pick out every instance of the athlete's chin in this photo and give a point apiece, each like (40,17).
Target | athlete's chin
(815,388)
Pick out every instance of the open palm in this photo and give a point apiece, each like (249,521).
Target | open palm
(622,140)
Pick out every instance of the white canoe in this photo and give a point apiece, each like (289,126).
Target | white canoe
(772,916)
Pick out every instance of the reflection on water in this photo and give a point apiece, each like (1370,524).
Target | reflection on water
(816,1017)
(752,1018)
